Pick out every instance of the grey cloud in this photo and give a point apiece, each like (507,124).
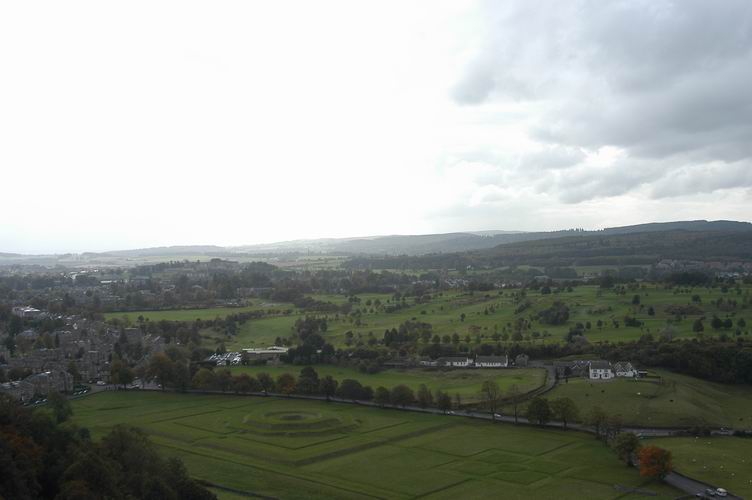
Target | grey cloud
(702,179)
(668,82)
(599,182)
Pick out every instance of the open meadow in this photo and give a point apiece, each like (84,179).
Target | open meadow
(289,448)
(194,314)
(466,383)
(667,400)
(491,316)
(722,461)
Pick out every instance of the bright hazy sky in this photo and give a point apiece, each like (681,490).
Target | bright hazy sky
(134,124)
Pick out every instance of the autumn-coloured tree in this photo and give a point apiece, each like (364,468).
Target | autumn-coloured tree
(655,462)
(286,384)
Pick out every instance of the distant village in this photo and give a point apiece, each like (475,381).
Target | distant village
(64,360)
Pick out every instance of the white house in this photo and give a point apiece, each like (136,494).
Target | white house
(624,369)
(600,370)
(27,312)
(271,353)
(491,362)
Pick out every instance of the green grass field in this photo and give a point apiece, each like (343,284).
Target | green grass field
(486,314)
(465,382)
(725,462)
(288,448)
(672,400)
(194,314)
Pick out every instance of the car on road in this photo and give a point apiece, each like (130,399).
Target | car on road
(497,415)
(710,492)
(101,382)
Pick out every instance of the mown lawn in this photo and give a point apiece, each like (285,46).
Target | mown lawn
(329,450)
(725,462)
(465,382)
(668,401)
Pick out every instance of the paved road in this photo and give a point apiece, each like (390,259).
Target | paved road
(692,486)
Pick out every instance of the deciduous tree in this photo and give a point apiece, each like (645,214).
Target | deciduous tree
(598,419)
(625,444)
(328,386)
(286,384)
(491,395)
(565,410)
(266,381)
(655,462)
(514,396)
(402,395)
(443,401)
(539,411)
(425,398)
(381,397)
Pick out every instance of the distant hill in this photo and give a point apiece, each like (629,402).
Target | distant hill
(694,225)
(9,255)
(612,247)
(492,245)
(167,251)
(419,244)
(629,248)
(472,240)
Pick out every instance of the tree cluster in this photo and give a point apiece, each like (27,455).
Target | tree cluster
(44,456)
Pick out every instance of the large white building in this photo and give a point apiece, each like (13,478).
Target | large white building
(26,312)
(600,370)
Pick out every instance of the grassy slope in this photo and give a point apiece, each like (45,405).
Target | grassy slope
(677,400)
(194,314)
(378,453)
(725,462)
(465,382)
(587,303)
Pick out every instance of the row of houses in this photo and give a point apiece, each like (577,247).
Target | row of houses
(468,362)
(86,344)
(597,369)
(38,384)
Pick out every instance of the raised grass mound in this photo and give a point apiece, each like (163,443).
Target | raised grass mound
(297,423)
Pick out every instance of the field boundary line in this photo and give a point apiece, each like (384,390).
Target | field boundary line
(168,419)
(373,444)
(298,477)
(251,440)
(443,488)
(249,494)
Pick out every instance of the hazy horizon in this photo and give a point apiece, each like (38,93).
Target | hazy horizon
(175,123)
(325,238)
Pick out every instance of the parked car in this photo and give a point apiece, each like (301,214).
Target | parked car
(101,382)
(721,492)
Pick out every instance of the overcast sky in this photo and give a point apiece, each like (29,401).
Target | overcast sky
(134,124)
